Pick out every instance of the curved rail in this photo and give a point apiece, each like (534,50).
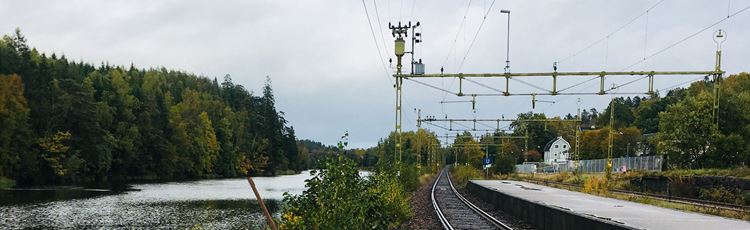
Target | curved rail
(444,220)
(441,217)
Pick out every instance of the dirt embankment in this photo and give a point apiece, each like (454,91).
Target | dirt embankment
(424,215)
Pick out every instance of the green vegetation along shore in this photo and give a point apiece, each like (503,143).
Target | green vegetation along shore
(73,122)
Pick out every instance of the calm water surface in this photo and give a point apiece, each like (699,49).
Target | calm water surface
(212,204)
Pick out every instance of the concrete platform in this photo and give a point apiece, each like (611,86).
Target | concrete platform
(574,210)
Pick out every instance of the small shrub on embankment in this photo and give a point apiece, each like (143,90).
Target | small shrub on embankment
(697,185)
(461,174)
(408,177)
(594,185)
(338,198)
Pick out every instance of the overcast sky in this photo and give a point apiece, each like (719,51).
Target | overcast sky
(326,71)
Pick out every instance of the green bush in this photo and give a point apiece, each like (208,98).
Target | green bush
(595,185)
(338,198)
(462,174)
(721,194)
(504,164)
(408,177)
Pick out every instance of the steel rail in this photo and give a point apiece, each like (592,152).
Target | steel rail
(476,209)
(445,222)
(441,217)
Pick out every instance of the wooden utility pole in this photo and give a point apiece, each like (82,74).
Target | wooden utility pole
(262,205)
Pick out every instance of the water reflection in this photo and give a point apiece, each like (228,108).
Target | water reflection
(38,195)
(224,203)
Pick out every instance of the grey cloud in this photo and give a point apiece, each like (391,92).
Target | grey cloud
(324,65)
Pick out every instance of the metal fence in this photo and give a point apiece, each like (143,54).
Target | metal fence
(526,168)
(642,163)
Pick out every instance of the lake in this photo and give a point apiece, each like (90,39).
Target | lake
(211,204)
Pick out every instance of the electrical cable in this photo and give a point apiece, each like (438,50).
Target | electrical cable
(671,46)
(475,36)
(645,36)
(599,41)
(627,83)
(465,126)
(431,86)
(680,84)
(484,85)
(380,55)
(577,84)
(439,126)
(458,32)
(380,26)
(608,35)
(374,39)
(529,84)
(453,47)
(486,125)
(686,38)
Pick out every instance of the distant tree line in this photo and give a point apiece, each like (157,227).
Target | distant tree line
(70,122)
(679,125)
(313,154)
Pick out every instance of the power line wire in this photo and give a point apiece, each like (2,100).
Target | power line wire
(453,48)
(374,39)
(608,35)
(686,38)
(436,125)
(431,86)
(380,26)
(484,85)
(577,84)
(645,36)
(680,84)
(468,50)
(626,83)
(380,55)
(475,36)
(663,50)
(465,126)
(529,84)
(458,32)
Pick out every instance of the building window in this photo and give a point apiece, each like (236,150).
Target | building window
(557,146)
(565,146)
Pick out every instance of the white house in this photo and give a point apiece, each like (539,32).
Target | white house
(557,150)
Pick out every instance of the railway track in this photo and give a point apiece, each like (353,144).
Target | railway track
(456,212)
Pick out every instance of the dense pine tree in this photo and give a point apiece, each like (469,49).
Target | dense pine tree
(68,122)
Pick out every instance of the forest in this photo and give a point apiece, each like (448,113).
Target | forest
(69,122)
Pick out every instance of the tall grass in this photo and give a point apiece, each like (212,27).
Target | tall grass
(740,172)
